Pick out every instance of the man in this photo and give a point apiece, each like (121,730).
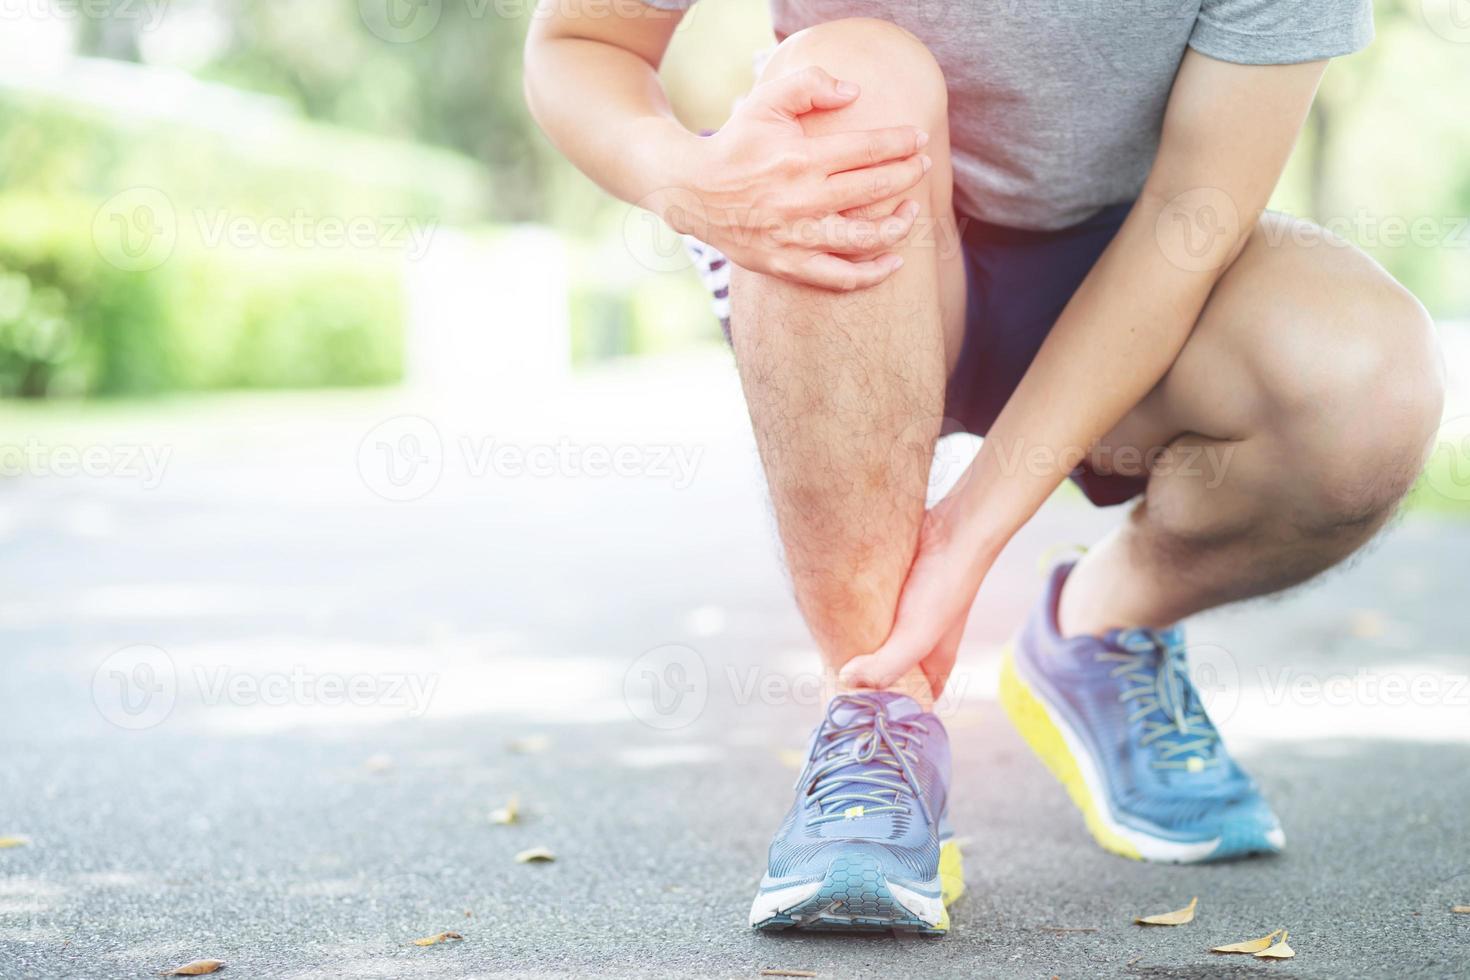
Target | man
(1044,224)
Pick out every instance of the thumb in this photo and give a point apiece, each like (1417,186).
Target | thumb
(938,664)
(806,90)
(885,665)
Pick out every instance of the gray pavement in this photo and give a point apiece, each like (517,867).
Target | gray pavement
(258,712)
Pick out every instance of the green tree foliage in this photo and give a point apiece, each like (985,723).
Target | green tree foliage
(458,86)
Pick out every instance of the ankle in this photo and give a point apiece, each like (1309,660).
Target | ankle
(1077,612)
(1096,599)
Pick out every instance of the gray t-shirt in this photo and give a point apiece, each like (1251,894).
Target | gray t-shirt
(1055,106)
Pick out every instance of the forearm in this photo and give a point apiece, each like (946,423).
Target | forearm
(605,109)
(1112,344)
(1214,172)
(1226,135)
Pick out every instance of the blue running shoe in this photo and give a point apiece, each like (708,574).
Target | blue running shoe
(1118,722)
(866,846)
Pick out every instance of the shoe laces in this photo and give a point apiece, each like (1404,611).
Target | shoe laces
(1163,699)
(864,763)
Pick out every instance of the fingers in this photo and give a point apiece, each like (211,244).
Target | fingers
(860,236)
(851,151)
(843,275)
(858,188)
(904,650)
(881,668)
(842,254)
(938,665)
(804,91)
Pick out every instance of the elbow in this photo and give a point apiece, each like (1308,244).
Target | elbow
(538,50)
(528,71)
(531,90)
(528,93)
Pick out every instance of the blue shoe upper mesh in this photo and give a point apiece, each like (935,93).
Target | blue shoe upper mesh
(876,781)
(1129,695)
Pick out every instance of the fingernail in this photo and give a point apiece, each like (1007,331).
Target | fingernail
(897,263)
(846,89)
(922,141)
(927,162)
(911,209)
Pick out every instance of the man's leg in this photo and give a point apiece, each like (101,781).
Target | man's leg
(1305,400)
(846,390)
(1296,416)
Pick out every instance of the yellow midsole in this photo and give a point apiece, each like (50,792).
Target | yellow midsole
(1035,724)
(951,872)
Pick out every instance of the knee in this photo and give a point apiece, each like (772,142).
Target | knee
(901,81)
(1356,394)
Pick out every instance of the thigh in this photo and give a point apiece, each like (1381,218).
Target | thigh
(1291,322)
(1018,284)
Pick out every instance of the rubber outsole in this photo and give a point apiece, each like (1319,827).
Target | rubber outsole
(855,896)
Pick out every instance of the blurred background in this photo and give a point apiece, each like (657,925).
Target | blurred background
(230,194)
(364,468)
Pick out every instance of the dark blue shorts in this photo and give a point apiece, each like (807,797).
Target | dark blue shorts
(1017,283)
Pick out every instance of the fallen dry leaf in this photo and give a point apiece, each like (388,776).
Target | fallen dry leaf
(788,973)
(508,814)
(1250,945)
(535,855)
(196,969)
(16,841)
(1460,909)
(1177,918)
(529,744)
(443,937)
(1280,951)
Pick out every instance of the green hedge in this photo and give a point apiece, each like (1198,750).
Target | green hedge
(71,323)
(213,315)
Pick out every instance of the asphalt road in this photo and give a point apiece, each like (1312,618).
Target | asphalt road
(257,712)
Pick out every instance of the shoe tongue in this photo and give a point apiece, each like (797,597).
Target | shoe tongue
(1169,643)
(892,704)
(1134,639)
(857,708)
